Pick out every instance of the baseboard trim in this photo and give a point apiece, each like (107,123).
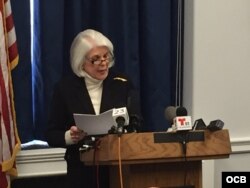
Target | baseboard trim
(240,145)
(41,162)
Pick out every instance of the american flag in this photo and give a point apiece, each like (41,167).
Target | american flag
(9,140)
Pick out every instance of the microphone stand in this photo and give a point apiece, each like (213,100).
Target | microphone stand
(184,140)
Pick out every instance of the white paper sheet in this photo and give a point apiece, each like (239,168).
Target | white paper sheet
(95,124)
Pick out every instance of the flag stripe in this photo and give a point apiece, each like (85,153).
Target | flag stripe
(11,39)
(3,179)
(9,140)
(13,51)
(5,108)
(11,36)
(7,8)
(9,22)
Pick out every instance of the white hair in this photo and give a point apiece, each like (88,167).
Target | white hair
(82,44)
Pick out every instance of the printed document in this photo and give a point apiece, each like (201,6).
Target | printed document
(95,124)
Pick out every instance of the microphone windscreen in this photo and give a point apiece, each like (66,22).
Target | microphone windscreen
(120,120)
(181,111)
(170,113)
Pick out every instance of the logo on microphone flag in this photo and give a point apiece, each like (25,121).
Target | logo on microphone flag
(182,123)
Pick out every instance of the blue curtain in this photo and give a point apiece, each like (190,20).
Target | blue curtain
(144,33)
(22,83)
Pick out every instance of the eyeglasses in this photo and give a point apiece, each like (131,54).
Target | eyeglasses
(97,60)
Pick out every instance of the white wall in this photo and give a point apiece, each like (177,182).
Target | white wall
(216,76)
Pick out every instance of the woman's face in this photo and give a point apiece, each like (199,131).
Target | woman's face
(97,62)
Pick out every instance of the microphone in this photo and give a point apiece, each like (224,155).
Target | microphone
(120,124)
(135,122)
(199,124)
(170,113)
(121,118)
(178,118)
(182,121)
(181,111)
(215,125)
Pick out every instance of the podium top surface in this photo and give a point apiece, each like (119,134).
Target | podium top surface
(143,147)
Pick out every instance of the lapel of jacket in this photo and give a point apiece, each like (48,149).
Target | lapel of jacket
(83,98)
(106,102)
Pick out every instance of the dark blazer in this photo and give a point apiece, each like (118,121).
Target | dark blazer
(71,96)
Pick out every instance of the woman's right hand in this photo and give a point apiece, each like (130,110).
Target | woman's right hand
(76,134)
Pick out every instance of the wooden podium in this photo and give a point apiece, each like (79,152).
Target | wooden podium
(158,159)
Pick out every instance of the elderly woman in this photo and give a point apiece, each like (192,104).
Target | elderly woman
(94,88)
